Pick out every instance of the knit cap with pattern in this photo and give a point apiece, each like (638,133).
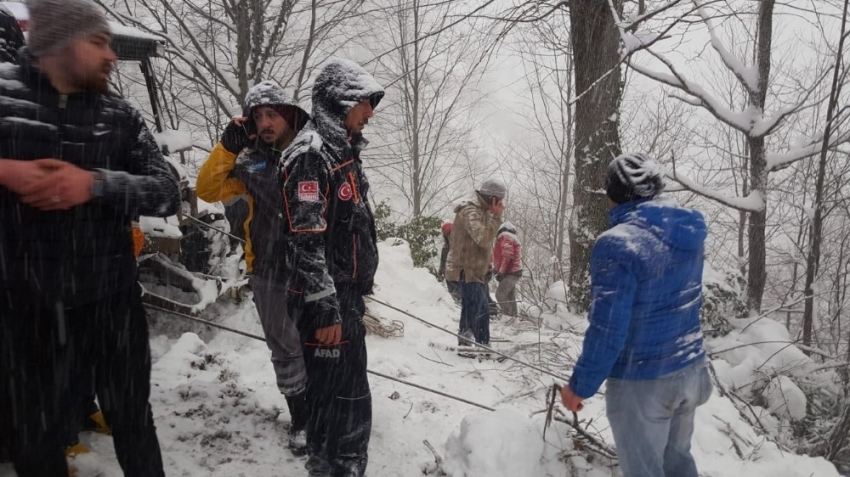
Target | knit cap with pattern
(55,24)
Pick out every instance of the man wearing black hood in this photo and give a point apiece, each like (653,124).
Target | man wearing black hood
(331,261)
(244,164)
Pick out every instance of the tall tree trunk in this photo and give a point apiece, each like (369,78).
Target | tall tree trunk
(308,50)
(596,48)
(415,126)
(566,168)
(742,219)
(757,273)
(816,234)
(243,48)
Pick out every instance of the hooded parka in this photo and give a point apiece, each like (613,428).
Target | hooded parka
(331,261)
(507,255)
(253,174)
(333,240)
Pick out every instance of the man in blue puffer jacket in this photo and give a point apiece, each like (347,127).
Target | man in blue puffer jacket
(644,335)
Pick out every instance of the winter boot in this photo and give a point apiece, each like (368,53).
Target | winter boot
(350,467)
(299,410)
(97,423)
(297,441)
(318,466)
(467,340)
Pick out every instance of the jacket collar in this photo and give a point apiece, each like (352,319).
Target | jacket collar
(342,148)
(623,212)
(261,152)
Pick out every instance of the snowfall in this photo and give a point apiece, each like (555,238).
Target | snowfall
(219,413)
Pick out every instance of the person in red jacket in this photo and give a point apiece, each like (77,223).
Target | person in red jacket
(507,261)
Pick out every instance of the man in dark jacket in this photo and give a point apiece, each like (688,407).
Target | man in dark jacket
(11,39)
(644,335)
(78,164)
(331,262)
(245,164)
(11,36)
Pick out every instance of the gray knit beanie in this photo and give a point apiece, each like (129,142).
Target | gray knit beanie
(55,24)
(493,188)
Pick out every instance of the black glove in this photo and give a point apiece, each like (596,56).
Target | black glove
(235,136)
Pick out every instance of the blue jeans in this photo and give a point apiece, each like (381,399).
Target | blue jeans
(653,421)
(475,311)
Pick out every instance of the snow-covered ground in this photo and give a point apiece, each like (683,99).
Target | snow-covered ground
(219,413)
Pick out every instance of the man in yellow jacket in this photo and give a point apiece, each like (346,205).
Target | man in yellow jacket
(244,163)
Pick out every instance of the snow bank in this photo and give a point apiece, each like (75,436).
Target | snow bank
(557,293)
(397,279)
(497,444)
(757,349)
(219,413)
(724,445)
(785,398)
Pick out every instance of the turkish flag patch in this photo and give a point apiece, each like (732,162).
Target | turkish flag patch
(345,191)
(308,191)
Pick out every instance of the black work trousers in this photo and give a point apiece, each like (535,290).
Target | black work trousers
(45,348)
(338,391)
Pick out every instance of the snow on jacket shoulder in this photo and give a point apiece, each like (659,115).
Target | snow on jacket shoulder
(474,231)
(332,240)
(507,259)
(646,293)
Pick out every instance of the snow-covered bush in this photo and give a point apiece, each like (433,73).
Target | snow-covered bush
(422,233)
(785,399)
(722,298)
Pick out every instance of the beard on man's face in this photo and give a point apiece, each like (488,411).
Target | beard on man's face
(271,138)
(96,80)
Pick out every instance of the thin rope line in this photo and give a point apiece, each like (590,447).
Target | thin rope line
(260,338)
(536,368)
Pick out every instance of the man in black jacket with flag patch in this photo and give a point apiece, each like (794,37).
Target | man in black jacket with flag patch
(332,257)
(77,164)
